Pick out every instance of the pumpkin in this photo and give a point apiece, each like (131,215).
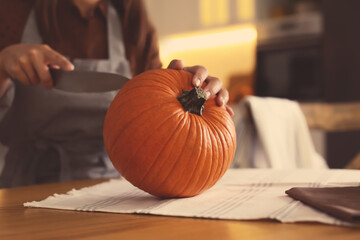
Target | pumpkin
(159,146)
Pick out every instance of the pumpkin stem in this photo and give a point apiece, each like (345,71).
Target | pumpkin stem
(193,100)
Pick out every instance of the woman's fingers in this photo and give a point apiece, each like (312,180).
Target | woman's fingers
(17,72)
(222,97)
(229,110)
(221,100)
(43,72)
(51,57)
(176,64)
(30,63)
(200,74)
(28,69)
(213,85)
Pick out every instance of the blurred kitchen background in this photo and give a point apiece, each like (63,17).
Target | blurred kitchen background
(304,50)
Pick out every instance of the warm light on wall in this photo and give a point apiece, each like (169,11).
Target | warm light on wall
(245,9)
(206,39)
(213,12)
(224,51)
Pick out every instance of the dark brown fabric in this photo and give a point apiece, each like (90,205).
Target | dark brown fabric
(341,202)
(13,16)
(63,28)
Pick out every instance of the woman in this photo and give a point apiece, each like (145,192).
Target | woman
(54,135)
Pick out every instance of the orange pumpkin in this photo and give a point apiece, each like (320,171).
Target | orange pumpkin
(160,147)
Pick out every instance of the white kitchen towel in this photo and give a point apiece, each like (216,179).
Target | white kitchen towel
(242,194)
(281,137)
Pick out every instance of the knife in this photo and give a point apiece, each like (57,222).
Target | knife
(87,81)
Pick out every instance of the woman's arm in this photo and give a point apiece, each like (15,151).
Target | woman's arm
(30,64)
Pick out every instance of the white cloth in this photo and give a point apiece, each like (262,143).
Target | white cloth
(281,138)
(242,194)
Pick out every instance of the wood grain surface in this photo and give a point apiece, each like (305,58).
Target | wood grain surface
(18,222)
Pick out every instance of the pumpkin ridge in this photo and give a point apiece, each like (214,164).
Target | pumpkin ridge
(174,146)
(209,132)
(219,134)
(142,102)
(165,156)
(170,136)
(129,121)
(183,84)
(212,140)
(211,153)
(140,145)
(228,129)
(214,117)
(159,88)
(163,163)
(126,163)
(117,131)
(222,165)
(184,191)
(172,74)
(190,179)
(215,130)
(204,156)
(132,121)
(220,153)
(175,163)
(159,147)
(162,78)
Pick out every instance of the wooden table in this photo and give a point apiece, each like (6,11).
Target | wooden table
(17,222)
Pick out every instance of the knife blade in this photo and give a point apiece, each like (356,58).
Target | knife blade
(87,81)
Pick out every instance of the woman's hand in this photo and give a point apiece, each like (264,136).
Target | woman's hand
(213,87)
(30,64)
